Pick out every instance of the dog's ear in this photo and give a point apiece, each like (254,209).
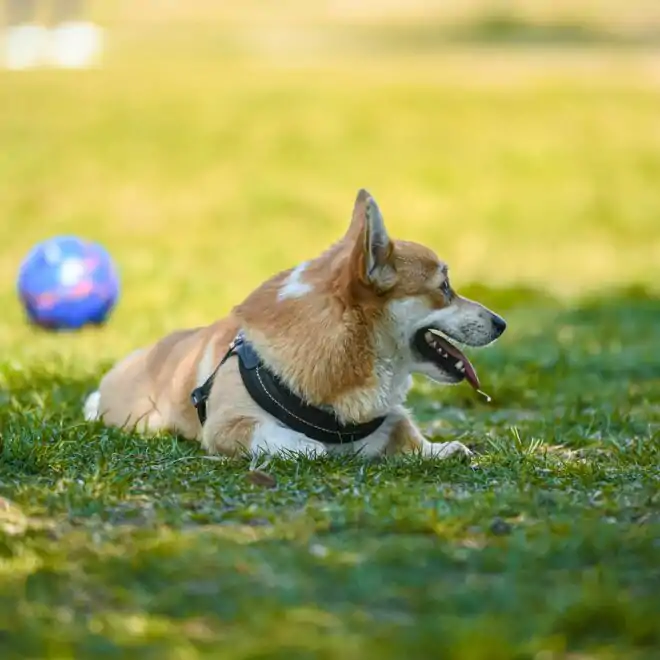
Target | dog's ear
(372,250)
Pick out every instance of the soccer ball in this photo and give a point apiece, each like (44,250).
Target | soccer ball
(66,282)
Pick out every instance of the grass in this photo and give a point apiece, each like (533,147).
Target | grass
(534,176)
(115,545)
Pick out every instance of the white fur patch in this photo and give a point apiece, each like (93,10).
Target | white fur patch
(293,286)
(408,315)
(372,445)
(271,438)
(91,407)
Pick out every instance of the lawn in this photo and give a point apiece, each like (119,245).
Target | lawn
(533,173)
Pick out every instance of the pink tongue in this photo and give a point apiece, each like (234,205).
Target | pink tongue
(470,373)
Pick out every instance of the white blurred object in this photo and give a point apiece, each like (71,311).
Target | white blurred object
(70,45)
(75,45)
(26,46)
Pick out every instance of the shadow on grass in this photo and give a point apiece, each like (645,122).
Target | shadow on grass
(500,28)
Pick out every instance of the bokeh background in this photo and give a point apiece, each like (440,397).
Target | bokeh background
(218,142)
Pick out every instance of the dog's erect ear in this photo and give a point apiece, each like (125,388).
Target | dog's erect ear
(372,253)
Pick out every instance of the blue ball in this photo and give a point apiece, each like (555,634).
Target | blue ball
(66,282)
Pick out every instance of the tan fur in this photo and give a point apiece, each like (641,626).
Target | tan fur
(404,439)
(150,390)
(330,330)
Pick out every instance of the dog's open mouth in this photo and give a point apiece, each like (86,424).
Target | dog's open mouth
(433,346)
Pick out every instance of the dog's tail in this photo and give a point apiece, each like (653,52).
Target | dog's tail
(92,406)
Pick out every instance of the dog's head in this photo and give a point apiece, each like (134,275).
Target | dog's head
(348,328)
(420,311)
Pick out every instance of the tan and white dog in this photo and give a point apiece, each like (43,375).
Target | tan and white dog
(344,332)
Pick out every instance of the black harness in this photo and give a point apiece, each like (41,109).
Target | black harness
(273,396)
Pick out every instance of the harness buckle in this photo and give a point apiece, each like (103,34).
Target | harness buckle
(197,396)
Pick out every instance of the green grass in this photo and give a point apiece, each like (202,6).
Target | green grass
(549,541)
(535,178)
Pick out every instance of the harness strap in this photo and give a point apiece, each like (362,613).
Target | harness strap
(272,395)
(200,395)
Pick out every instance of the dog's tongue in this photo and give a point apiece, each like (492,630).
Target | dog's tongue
(471,376)
(470,372)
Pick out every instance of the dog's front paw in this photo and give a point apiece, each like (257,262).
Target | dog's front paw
(454,449)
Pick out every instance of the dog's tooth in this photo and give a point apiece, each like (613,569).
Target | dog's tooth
(428,336)
(459,365)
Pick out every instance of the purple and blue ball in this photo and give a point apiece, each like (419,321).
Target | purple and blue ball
(66,283)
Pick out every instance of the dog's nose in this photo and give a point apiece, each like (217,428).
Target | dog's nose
(499,325)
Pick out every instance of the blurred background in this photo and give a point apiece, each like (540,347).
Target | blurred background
(209,144)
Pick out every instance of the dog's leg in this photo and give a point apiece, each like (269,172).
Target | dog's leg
(446,449)
(406,438)
(242,435)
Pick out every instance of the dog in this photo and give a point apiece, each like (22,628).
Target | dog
(318,359)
